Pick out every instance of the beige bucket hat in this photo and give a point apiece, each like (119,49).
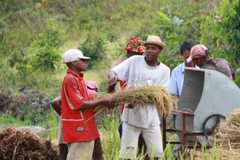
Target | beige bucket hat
(151,39)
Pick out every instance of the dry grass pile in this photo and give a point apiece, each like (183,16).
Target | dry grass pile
(228,134)
(152,94)
(22,144)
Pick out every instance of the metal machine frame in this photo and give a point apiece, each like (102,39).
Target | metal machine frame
(208,96)
(184,132)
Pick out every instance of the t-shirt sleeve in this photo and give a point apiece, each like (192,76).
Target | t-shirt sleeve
(73,94)
(173,84)
(122,69)
(166,78)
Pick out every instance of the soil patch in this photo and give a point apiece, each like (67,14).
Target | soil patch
(26,103)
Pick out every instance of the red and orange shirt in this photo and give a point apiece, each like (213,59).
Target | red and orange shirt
(77,125)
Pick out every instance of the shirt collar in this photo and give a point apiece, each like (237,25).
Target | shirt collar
(75,74)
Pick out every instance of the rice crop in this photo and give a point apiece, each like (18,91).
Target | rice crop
(151,94)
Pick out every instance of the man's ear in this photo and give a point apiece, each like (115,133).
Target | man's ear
(181,55)
(73,63)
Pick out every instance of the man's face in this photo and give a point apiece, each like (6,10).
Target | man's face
(152,52)
(185,55)
(199,61)
(80,64)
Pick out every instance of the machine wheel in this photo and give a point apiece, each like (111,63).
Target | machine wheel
(209,130)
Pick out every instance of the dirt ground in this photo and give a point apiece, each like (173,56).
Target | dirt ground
(25,103)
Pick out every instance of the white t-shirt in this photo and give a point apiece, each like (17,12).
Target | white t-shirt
(138,73)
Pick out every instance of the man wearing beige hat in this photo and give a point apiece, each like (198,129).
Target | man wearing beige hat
(78,123)
(140,71)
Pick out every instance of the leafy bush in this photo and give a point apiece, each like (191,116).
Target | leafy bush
(230,26)
(28,64)
(221,33)
(20,60)
(95,48)
(46,48)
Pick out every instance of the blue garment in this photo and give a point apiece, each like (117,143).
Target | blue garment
(176,80)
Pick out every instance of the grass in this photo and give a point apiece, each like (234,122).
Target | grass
(111,141)
(110,138)
(7,120)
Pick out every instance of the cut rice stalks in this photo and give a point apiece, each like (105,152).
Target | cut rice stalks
(228,133)
(152,94)
(24,144)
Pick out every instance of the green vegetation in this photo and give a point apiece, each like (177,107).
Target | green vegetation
(35,33)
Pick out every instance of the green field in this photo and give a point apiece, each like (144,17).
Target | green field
(35,34)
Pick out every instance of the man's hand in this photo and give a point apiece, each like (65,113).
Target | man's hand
(112,78)
(110,102)
(112,81)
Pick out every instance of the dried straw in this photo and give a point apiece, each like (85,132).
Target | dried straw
(153,94)
(228,133)
(22,144)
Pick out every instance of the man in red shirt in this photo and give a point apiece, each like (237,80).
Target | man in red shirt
(79,128)
(92,89)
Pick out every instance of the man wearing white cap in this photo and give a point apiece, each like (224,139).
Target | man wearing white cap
(200,56)
(140,71)
(79,128)
(92,89)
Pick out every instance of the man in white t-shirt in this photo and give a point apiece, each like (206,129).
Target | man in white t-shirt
(140,71)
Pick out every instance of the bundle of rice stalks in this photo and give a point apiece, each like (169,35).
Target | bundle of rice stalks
(152,94)
(228,133)
(22,144)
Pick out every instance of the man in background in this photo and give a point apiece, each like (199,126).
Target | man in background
(200,56)
(177,75)
(177,79)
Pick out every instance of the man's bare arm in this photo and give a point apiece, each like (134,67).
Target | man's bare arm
(56,105)
(107,102)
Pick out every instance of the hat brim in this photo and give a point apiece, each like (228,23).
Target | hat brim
(87,58)
(162,45)
(91,87)
(189,59)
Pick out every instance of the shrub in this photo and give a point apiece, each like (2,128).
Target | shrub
(46,48)
(19,59)
(93,47)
